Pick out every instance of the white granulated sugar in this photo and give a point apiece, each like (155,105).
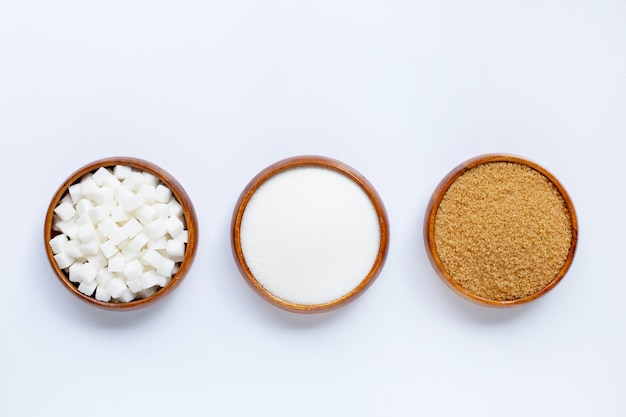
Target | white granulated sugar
(310,235)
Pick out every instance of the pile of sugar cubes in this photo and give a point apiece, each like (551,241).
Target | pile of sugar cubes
(122,234)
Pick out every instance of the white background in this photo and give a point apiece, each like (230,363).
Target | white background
(403,91)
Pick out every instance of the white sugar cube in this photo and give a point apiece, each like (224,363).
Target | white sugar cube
(66,199)
(74,274)
(175,249)
(83,206)
(133,269)
(176,209)
(57,243)
(147,292)
(118,235)
(174,226)
(138,242)
(58,223)
(108,248)
(76,192)
(89,187)
(106,226)
(165,268)
(63,260)
(98,213)
(162,210)
(134,181)
(87,288)
(146,213)
(71,231)
(103,195)
(148,178)
(122,245)
(163,193)
(104,276)
(152,258)
(183,236)
(87,232)
(126,296)
(122,171)
(118,214)
(131,203)
(73,249)
(149,279)
(164,280)
(88,272)
(129,254)
(68,228)
(134,285)
(112,182)
(158,244)
(102,294)
(101,236)
(82,272)
(101,175)
(122,194)
(98,260)
(155,229)
(82,218)
(148,192)
(116,263)
(116,287)
(65,211)
(132,227)
(90,248)
(86,177)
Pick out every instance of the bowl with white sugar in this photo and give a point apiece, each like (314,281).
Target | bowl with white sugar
(120,233)
(309,234)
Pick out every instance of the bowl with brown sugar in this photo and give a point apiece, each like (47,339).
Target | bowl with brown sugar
(500,230)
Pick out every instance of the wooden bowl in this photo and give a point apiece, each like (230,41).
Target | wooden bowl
(298,162)
(434,253)
(189,220)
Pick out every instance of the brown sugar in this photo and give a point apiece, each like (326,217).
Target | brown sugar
(503,231)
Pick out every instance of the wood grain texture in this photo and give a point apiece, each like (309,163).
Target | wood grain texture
(304,161)
(431,213)
(190,221)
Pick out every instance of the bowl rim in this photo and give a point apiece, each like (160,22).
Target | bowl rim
(297,162)
(191,224)
(431,213)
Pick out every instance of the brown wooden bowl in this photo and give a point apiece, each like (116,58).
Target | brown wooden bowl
(431,215)
(308,161)
(189,219)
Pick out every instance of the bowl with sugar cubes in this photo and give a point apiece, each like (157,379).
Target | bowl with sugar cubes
(120,233)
